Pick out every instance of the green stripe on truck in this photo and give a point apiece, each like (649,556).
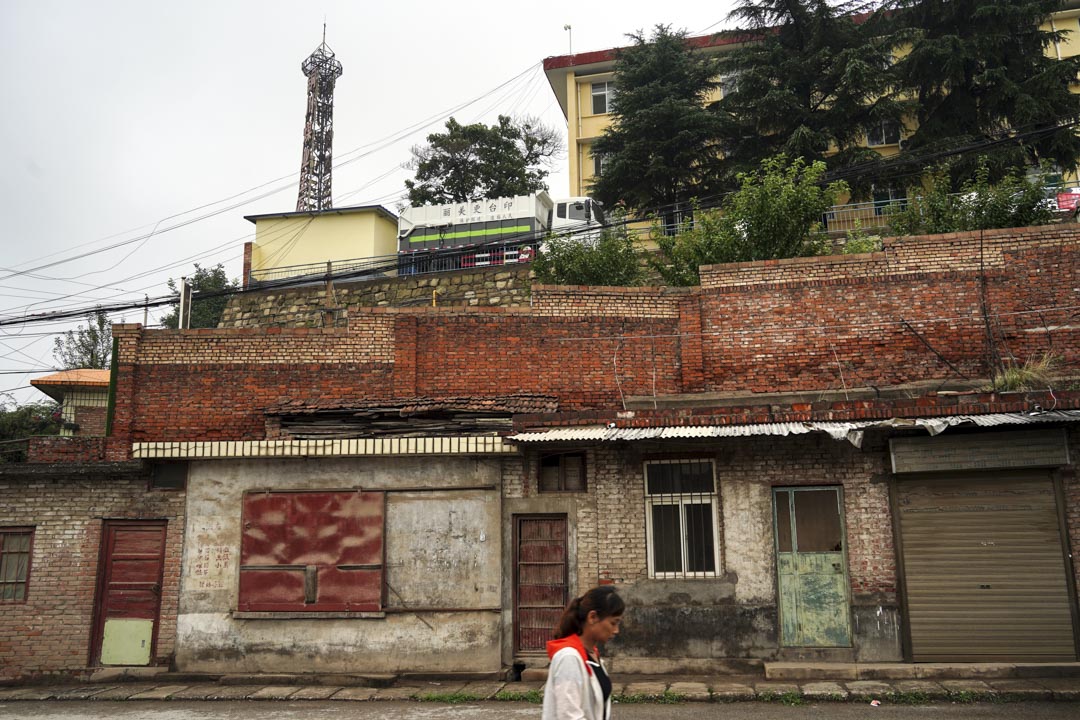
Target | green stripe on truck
(473,233)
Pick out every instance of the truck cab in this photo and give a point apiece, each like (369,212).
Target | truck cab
(578,216)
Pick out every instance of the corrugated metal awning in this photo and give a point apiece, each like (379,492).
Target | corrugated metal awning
(453,445)
(851,431)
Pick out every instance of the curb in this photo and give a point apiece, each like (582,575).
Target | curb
(905,692)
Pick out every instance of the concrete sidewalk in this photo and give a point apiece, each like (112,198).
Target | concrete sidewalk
(628,689)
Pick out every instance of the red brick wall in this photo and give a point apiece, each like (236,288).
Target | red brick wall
(50,632)
(806,324)
(91,420)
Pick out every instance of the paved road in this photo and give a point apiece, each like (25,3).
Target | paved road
(248,710)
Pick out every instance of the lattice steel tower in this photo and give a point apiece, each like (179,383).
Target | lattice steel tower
(322,71)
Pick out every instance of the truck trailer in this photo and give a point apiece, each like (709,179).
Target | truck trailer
(490,231)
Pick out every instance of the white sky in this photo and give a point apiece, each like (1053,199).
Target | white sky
(117,116)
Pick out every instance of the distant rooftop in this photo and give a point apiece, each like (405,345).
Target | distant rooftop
(56,384)
(332,211)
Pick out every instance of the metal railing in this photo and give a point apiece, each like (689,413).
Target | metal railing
(418,262)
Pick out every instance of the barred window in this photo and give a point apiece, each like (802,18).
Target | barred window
(14,563)
(681,518)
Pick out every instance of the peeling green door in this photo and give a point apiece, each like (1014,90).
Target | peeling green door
(811,571)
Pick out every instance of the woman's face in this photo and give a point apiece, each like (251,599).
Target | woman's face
(603,629)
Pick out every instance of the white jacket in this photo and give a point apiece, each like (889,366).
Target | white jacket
(572,692)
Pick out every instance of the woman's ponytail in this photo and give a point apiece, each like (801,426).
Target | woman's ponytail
(603,599)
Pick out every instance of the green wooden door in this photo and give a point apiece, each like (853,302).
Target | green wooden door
(812,578)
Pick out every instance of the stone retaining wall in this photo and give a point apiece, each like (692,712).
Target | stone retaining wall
(306,306)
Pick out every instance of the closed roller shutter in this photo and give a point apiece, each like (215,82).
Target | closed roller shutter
(984,570)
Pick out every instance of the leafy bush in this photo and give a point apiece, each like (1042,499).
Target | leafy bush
(1016,201)
(610,259)
(776,213)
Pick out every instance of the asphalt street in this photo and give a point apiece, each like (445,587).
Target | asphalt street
(245,710)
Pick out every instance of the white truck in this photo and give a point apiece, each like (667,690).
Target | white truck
(491,231)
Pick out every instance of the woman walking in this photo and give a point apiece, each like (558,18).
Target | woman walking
(578,686)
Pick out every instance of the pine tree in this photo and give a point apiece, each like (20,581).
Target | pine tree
(661,148)
(804,79)
(978,70)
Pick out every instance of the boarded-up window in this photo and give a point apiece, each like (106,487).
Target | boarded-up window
(562,472)
(312,551)
(14,563)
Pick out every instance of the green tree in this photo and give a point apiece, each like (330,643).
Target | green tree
(23,421)
(612,259)
(811,81)
(1017,200)
(978,70)
(776,213)
(478,161)
(205,312)
(87,346)
(660,149)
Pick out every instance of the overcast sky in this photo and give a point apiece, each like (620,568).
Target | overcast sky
(119,117)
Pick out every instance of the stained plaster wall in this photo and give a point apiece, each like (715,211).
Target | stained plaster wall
(443,550)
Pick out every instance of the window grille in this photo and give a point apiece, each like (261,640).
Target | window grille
(681,507)
(14,563)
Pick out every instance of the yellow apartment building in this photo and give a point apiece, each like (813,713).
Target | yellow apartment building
(583,85)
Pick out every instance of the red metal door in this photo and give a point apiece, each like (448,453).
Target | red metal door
(129,592)
(540,587)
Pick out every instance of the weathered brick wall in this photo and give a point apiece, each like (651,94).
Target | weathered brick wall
(91,420)
(50,632)
(502,286)
(966,252)
(810,325)
(851,329)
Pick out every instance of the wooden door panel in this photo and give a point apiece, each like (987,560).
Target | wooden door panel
(129,592)
(540,579)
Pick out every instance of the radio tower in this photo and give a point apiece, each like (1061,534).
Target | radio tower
(322,71)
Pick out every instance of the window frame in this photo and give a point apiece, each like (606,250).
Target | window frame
(30,531)
(158,469)
(309,608)
(608,94)
(682,499)
(562,471)
(729,85)
(598,165)
(882,129)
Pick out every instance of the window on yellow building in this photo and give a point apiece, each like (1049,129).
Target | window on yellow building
(602,94)
(598,165)
(886,132)
(728,84)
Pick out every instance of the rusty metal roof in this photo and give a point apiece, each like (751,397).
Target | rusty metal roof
(850,431)
(514,404)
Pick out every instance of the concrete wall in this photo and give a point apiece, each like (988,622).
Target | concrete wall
(443,555)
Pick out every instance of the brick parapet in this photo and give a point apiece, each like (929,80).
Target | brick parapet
(920,256)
